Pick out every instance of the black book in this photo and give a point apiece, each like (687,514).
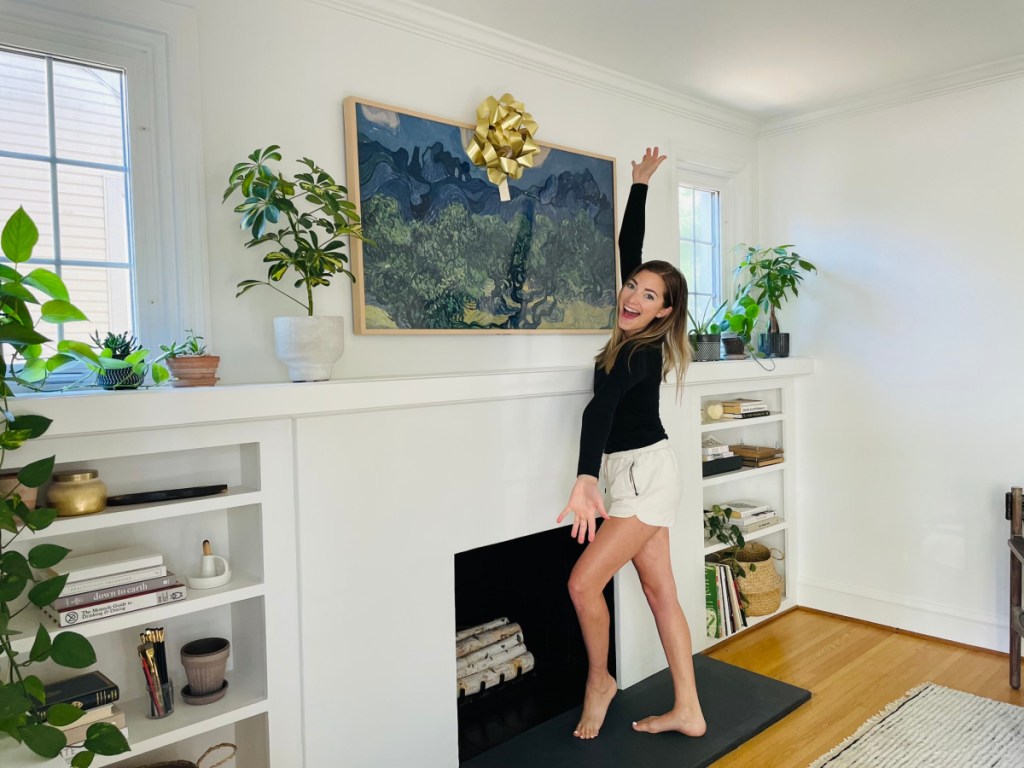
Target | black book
(748,415)
(93,689)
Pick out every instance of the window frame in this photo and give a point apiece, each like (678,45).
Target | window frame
(155,44)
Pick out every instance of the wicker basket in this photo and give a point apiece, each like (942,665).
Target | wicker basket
(198,763)
(760,588)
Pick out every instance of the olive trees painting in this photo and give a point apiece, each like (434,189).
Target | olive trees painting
(444,254)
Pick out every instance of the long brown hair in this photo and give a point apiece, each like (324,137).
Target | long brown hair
(668,331)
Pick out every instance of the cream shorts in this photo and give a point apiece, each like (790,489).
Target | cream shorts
(644,483)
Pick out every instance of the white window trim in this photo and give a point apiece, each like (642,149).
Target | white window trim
(156,43)
(733,181)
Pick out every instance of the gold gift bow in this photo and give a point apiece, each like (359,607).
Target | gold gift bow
(503,140)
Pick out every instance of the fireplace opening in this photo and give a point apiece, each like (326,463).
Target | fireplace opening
(524,581)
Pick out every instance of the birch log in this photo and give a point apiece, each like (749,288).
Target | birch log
(462,634)
(491,677)
(472,643)
(490,656)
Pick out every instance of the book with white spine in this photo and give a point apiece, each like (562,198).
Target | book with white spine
(84,567)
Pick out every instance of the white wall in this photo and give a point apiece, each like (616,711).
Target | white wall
(910,427)
(280,77)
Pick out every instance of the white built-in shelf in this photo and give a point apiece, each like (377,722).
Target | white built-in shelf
(113,517)
(714,426)
(746,472)
(245,698)
(242,586)
(753,621)
(713,545)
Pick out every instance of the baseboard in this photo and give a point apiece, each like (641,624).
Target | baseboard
(928,618)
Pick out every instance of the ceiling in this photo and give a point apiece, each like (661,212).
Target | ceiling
(768,58)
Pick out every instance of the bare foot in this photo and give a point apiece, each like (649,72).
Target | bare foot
(684,721)
(595,706)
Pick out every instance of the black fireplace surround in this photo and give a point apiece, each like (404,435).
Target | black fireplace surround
(524,579)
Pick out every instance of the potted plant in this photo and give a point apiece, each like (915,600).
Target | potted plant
(717,526)
(189,364)
(305,219)
(706,334)
(22,362)
(121,362)
(772,275)
(740,320)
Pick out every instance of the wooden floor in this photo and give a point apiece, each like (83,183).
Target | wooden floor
(852,670)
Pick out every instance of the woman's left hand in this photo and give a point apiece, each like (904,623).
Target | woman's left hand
(585,504)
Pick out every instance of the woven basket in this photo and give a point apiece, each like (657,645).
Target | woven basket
(761,588)
(198,763)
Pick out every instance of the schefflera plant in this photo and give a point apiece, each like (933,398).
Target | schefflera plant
(24,714)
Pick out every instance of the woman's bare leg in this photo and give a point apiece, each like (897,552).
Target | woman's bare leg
(654,565)
(617,542)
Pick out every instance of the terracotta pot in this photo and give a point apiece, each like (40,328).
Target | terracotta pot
(9,483)
(205,661)
(196,371)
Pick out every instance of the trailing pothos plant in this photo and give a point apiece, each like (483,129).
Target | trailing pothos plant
(24,714)
(717,522)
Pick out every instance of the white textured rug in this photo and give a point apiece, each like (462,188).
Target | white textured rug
(935,727)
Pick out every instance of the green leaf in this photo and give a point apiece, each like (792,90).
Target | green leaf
(60,311)
(45,592)
(19,237)
(18,291)
(159,373)
(34,687)
(72,650)
(13,702)
(105,739)
(36,426)
(14,562)
(11,588)
(15,333)
(63,714)
(12,439)
(38,472)
(33,370)
(47,282)
(46,555)
(44,740)
(82,759)
(40,518)
(41,647)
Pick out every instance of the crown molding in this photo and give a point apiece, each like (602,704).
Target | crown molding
(919,90)
(476,38)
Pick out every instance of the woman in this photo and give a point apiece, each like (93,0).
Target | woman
(622,421)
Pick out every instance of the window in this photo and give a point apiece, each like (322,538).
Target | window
(64,157)
(700,247)
(122,216)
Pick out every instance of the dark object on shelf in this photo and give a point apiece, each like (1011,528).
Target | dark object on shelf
(718,466)
(774,344)
(148,497)
(198,763)
(733,345)
(707,347)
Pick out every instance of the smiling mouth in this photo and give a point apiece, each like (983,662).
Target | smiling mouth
(629,314)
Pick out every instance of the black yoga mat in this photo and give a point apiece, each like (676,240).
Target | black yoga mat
(737,705)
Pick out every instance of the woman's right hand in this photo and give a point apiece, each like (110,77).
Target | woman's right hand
(648,164)
(585,504)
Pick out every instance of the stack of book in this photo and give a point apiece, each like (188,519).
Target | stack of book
(750,516)
(744,408)
(717,457)
(758,455)
(111,583)
(724,609)
(94,693)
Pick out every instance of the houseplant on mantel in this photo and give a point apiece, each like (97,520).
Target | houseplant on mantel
(772,275)
(309,240)
(189,363)
(22,362)
(706,334)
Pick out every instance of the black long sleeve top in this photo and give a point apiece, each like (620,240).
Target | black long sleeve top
(623,414)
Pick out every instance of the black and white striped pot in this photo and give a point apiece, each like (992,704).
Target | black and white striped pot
(707,347)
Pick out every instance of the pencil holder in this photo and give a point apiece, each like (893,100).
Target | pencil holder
(161,700)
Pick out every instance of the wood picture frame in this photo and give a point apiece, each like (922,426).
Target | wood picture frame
(445,255)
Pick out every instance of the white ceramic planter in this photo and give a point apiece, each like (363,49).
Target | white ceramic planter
(309,346)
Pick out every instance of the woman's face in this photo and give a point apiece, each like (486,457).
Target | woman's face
(641,301)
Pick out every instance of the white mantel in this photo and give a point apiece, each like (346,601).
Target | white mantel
(393,477)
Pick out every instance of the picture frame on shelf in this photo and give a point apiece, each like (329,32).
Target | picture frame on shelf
(443,254)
